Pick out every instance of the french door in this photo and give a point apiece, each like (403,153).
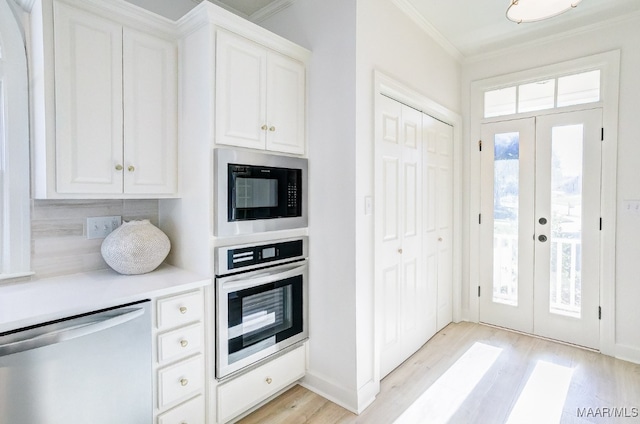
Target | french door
(540,225)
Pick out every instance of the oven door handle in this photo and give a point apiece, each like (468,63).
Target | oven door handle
(240,282)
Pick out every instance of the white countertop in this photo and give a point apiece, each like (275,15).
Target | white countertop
(34,302)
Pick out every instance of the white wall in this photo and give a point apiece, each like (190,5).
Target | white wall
(389,42)
(327,28)
(341,128)
(623,35)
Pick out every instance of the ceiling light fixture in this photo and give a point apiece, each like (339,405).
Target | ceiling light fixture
(536,10)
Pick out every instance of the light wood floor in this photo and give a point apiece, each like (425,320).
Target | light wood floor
(597,382)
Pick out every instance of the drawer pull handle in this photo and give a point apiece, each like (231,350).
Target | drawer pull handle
(184,382)
(183,310)
(184,343)
(269,380)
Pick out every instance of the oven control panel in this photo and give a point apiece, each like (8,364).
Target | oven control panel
(245,257)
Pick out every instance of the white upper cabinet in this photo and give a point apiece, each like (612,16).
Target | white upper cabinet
(150,114)
(105,118)
(88,87)
(260,96)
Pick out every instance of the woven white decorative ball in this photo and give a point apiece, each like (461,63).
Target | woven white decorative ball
(136,247)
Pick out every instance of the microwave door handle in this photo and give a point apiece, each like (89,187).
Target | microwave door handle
(262,278)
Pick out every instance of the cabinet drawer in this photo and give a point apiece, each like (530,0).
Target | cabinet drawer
(180,343)
(241,393)
(180,381)
(180,310)
(191,412)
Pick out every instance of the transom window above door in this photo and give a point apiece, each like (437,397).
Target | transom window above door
(550,93)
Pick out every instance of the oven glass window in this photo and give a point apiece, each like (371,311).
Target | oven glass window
(256,193)
(262,316)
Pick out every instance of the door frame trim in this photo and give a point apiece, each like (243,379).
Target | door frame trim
(609,64)
(390,87)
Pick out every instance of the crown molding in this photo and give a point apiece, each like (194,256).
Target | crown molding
(270,10)
(599,26)
(258,16)
(413,13)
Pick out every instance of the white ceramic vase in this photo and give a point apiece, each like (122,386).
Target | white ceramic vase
(136,247)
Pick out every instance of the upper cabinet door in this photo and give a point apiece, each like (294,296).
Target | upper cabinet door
(88,90)
(285,104)
(240,92)
(150,114)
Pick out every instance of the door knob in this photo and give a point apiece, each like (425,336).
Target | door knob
(439,238)
(542,238)
(263,128)
(118,167)
(131,168)
(400,251)
(542,221)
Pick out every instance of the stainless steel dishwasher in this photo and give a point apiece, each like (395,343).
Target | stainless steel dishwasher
(87,369)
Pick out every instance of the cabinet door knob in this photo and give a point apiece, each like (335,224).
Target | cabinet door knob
(263,128)
(268,380)
(184,343)
(272,129)
(400,251)
(118,167)
(184,382)
(131,168)
(183,310)
(439,238)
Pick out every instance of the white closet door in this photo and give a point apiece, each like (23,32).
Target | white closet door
(438,212)
(399,247)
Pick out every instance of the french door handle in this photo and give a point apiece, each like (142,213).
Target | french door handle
(542,238)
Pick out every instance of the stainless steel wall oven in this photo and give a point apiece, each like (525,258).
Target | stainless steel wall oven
(261,301)
(258,192)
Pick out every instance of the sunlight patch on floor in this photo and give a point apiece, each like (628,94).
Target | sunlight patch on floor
(543,397)
(444,397)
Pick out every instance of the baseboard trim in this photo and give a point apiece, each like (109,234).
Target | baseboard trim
(628,353)
(330,390)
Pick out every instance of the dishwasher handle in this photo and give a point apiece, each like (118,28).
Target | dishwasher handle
(50,334)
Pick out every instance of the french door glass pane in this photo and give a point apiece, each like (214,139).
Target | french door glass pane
(506,189)
(566,220)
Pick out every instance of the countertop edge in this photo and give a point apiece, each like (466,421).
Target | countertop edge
(38,301)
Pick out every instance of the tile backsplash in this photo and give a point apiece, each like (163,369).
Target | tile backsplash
(59,243)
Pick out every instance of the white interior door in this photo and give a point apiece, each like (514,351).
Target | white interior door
(399,248)
(540,232)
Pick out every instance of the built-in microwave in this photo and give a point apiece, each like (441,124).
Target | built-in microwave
(257,192)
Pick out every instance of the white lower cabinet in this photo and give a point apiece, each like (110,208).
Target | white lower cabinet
(248,390)
(180,381)
(179,359)
(191,412)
